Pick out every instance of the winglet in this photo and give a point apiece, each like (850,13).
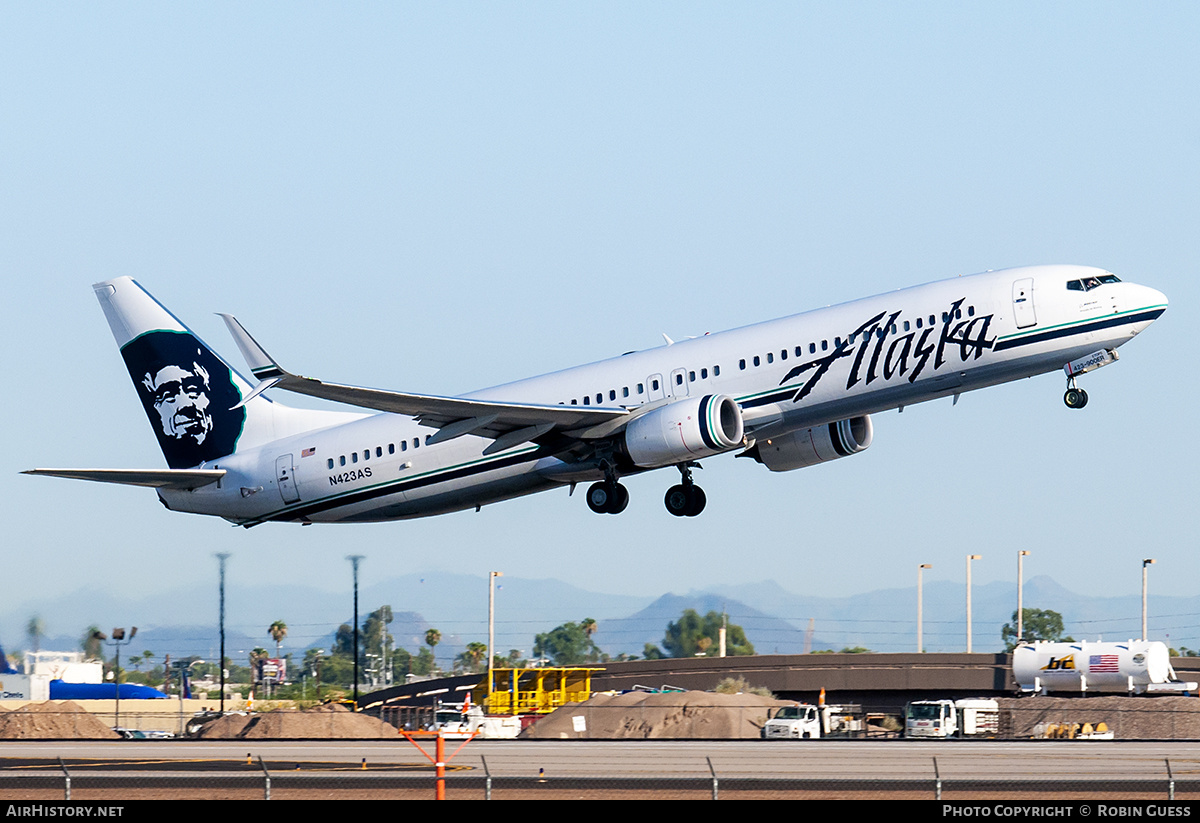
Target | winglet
(260,363)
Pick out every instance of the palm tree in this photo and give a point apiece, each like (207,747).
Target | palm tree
(475,654)
(278,631)
(91,644)
(432,638)
(36,628)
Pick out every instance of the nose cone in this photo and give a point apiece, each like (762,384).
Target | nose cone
(1155,298)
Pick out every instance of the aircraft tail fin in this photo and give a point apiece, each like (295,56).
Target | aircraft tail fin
(192,397)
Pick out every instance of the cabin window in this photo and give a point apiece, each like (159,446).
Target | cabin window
(716,371)
(654,385)
(599,398)
(757,361)
(679,379)
(612,394)
(427,439)
(379,451)
(587,401)
(354,457)
(366,454)
(416,442)
(799,351)
(640,388)
(970,311)
(391,448)
(932,320)
(824,345)
(783,354)
(403,445)
(331,462)
(907,327)
(812,348)
(574,402)
(770,357)
(691,377)
(624,391)
(704,374)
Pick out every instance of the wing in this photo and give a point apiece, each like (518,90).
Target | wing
(183,479)
(506,424)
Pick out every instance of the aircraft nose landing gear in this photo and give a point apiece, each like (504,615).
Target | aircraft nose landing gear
(1075,398)
(687,499)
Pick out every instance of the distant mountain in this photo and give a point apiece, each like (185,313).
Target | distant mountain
(183,621)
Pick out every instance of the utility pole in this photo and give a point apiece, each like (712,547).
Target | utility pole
(491,650)
(970,557)
(354,560)
(1145,563)
(920,606)
(1021,555)
(221,558)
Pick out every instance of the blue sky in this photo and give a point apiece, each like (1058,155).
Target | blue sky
(441,197)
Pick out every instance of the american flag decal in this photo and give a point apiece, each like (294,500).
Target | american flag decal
(308,452)
(1102,663)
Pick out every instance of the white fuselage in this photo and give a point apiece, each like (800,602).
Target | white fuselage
(802,371)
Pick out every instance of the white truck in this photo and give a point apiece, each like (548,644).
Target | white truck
(801,721)
(939,719)
(454,724)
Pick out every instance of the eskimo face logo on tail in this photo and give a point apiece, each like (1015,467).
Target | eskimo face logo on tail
(188,394)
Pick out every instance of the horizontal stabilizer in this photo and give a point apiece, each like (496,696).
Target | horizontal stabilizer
(181,479)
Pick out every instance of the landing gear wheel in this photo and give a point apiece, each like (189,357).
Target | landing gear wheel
(607,498)
(619,500)
(685,500)
(1075,398)
(677,501)
(599,497)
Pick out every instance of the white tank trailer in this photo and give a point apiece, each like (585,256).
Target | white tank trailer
(1132,667)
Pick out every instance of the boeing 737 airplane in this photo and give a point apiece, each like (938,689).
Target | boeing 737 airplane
(787,393)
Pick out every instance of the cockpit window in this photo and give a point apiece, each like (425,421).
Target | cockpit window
(1089,283)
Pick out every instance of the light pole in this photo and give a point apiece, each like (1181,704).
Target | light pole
(221,558)
(970,557)
(118,640)
(491,654)
(920,586)
(1021,555)
(1145,563)
(184,667)
(354,559)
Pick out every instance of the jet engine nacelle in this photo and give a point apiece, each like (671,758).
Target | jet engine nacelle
(808,447)
(684,430)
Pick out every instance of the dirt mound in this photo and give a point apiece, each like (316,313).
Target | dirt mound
(642,716)
(1129,718)
(53,721)
(328,722)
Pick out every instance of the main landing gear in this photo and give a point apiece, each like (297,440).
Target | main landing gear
(1075,398)
(684,500)
(687,499)
(607,497)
